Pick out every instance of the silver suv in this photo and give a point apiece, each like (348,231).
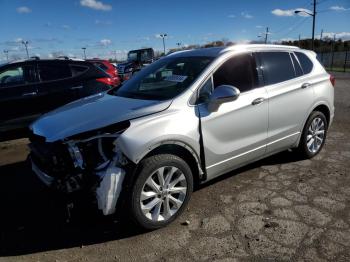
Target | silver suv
(185,119)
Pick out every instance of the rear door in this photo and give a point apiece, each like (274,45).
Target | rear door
(289,98)
(18,96)
(56,86)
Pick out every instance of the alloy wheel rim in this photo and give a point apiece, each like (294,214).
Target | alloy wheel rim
(163,193)
(315,135)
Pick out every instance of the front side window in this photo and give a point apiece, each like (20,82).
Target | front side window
(277,67)
(239,71)
(164,79)
(51,72)
(16,76)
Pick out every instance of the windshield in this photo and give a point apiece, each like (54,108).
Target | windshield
(132,56)
(164,79)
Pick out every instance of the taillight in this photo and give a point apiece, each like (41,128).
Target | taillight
(332,79)
(105,80)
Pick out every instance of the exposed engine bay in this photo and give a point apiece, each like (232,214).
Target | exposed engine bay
(89,162)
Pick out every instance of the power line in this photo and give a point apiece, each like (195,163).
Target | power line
(300,22)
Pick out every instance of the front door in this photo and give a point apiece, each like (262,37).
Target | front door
(236,133)
(18,97)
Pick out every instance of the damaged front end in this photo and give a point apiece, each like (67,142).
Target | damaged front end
(88,162)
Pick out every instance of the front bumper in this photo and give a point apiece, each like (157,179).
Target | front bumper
(106,192)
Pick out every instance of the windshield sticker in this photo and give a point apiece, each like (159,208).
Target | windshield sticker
(176,78)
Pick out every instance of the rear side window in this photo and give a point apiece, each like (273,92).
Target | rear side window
(100,65)
(277,67)
(78,69)
(50,72)
(298,70)
(239,71)
(305,62)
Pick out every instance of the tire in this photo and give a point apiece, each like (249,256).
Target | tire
(306,148)
(160,195)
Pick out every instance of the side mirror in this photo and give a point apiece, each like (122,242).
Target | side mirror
(222,94)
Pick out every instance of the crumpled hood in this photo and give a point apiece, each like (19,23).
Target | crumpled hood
(91,113)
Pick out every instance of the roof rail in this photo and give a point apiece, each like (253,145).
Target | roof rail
(62,57)
(258,46)
(34,58)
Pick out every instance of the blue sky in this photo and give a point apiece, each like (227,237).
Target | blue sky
(108,26)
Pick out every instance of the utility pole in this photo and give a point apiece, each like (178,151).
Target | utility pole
(25,43)
(267,32)
(299,41)
(163,37)
(84,48)
(7,55)
(313,26)
(333,45)
(321,34)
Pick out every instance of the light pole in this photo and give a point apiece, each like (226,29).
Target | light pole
(84,48)
(25,43)
(7,55)
(163,36)
(266,34)
(313,22)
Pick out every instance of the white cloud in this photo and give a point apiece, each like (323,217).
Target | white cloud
(97,5)
(66,27)
(290,12)
(340,35)
(19,40)
(246,15)
(105,42)
(243,41)
(338,8)
(280,12)
(100,22)
(286,39)
(259,26)
(23,10)
(231,16)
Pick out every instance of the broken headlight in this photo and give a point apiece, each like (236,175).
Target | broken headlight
(98,150)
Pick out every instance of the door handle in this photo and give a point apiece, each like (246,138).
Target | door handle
(305,85)
(258,101)
(30,94)
(76,87)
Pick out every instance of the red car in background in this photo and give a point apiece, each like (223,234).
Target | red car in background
(110,69)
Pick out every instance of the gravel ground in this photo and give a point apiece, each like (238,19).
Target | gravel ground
(279,209)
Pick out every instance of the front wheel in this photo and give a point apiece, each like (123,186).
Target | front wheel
(314,135)
(161,191)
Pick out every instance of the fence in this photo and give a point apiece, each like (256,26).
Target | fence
(335,61)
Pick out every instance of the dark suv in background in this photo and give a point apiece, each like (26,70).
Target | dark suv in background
(32,87)
(136,60)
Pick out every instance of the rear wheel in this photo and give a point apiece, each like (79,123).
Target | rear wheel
(161,190)
(314,135)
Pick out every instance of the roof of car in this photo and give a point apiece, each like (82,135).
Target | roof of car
(216,51)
